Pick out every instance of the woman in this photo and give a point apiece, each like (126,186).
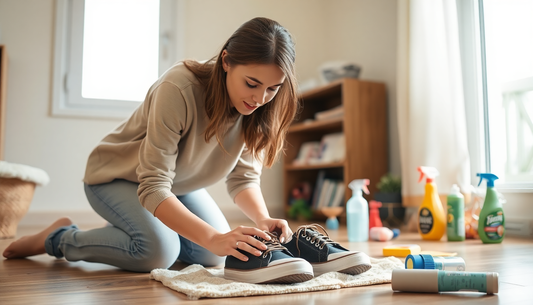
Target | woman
(199,123)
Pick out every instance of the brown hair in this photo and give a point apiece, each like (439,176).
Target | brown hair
(258,41)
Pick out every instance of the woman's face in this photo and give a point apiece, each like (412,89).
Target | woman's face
(252,86)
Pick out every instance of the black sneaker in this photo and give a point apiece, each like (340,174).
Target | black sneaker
(324,254)
(275,265)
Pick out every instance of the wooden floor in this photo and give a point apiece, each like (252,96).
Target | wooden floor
(45,280)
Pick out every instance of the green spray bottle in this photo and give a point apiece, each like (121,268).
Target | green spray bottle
(491,227)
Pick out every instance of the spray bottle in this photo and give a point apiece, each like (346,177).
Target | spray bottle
(431,219)
(456,215)
(357,211)
(491,226)
(374,220)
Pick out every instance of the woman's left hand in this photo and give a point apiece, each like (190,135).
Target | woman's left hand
(280,226)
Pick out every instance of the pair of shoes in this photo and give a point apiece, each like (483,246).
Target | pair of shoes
(309,253)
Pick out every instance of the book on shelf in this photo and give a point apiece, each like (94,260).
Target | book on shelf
(318,187)
(329,193)
(338,200)
(323,193)
(333,113)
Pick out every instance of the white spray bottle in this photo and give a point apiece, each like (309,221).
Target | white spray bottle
(357,211)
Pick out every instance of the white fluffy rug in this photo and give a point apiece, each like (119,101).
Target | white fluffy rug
(24,173)
(198,282)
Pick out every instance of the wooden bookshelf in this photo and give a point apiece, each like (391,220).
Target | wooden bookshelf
(3,101)
(364,124)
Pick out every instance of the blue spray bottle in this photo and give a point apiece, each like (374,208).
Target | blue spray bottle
(357,211)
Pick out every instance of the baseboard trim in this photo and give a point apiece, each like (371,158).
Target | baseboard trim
(44,219)
(519,227)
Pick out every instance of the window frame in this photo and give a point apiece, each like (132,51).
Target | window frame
(68,50)
(471,33)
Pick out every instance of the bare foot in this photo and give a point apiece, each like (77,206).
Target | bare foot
(33,244)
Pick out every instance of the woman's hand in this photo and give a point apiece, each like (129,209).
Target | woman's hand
(280,226)
(239,238)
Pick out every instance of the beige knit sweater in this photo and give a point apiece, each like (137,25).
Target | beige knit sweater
(162,147)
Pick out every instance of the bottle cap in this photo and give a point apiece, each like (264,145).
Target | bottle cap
(455,190)
(419,261)
(374,205)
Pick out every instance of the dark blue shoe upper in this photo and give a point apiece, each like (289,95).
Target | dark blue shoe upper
(308,243)
(274,252)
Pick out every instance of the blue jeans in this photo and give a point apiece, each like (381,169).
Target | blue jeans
(136,240)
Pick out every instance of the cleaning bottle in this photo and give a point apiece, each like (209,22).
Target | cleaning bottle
(427,261)
(431,219)
(491,225)
(357,211)
(374,220)
(455,230)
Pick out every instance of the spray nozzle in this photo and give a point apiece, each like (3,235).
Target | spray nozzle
(487,176)
(430,172)
(360,184)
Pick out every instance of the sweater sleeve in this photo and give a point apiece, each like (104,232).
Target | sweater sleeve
(166,116)
(247,173)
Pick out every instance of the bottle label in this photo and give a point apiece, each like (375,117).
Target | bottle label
(494,225)
(456,221)
(457,281)
(425,220)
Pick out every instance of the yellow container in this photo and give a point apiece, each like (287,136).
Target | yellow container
(431,218)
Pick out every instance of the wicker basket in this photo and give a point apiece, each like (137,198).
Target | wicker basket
(15,198)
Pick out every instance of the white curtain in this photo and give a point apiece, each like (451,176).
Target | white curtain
(431,111)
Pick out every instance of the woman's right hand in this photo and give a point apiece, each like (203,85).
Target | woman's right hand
(239,238)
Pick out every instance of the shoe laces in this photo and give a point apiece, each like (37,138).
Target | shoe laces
(312,234)
(273,244)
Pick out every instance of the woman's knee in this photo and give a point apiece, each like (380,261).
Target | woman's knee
(156,253)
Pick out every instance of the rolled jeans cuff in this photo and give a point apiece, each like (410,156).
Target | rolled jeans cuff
(51,244)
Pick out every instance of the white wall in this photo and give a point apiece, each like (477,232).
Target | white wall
(361,31)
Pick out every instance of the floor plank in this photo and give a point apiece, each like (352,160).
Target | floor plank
(45,280)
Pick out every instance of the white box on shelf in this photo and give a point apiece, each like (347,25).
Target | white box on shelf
(309,151)
(332,148)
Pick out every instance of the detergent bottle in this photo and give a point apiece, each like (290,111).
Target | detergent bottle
(357,211)
(431,218)
(455,230)
(491,225)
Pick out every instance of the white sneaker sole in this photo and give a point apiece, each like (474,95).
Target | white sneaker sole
(352,263)
(293,271)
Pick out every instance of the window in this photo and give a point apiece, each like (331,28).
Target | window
(509,49)
(108,53)
(496,47)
